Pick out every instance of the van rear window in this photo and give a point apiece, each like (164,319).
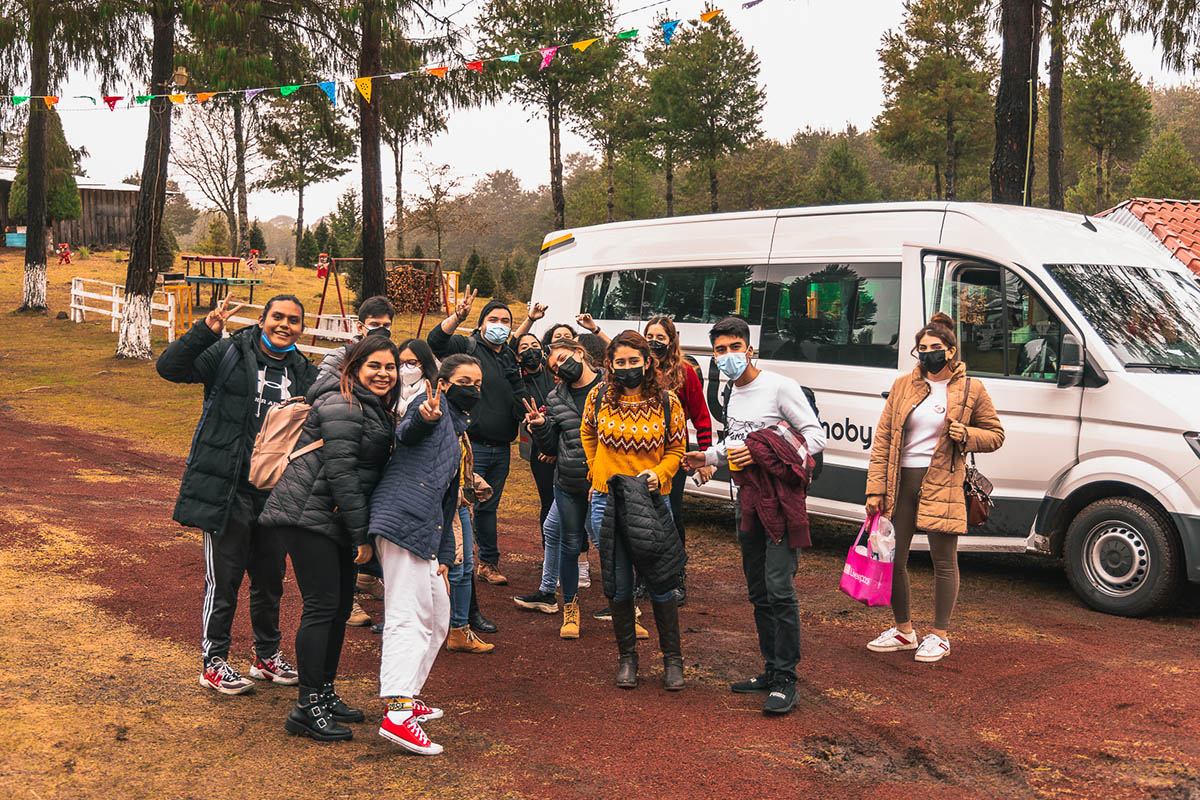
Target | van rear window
(686,294)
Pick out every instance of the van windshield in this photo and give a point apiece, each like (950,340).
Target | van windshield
(1149,317)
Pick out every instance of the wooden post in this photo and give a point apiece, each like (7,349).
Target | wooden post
(116,308)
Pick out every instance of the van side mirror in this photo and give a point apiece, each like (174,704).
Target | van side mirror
(1070,362)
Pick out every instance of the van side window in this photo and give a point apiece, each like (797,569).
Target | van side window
(1004,328)
(707,294)
(833,314)
(613,295)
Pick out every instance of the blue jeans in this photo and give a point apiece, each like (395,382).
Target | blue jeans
(461,574)
(622,565)
(491,464)
(572,513)
(550,538)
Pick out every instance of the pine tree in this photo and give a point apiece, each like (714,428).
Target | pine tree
(1166,170)
(610,116)
(1107,109)
(257,240)
(938,71)
(306,256)
(841,177)
(216,241)
(510,276)
(62,194)
(482,279)
(1012,168)
(325,242)
(466,275)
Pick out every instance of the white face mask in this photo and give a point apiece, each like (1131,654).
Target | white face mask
(410,375)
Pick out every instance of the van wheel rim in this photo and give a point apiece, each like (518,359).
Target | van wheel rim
(1116,559)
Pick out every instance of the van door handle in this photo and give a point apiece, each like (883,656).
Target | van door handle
(884,395)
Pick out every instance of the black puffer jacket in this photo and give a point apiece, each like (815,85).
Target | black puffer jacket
(218,464)
(559,436)
(329,490)
(643,519)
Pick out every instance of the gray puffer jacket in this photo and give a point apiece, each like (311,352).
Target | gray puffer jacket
(643,520)
(559,436)
(329,489)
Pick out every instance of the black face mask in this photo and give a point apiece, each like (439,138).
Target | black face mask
(531,359)
(464,398)
(629,377)
(932,361)
(570,370)
(383,331)
(659,349)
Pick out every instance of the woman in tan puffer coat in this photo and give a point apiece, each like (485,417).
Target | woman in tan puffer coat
(933,417)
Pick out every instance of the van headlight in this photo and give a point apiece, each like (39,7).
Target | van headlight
(1193,438)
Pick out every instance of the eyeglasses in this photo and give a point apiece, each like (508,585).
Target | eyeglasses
(412,362)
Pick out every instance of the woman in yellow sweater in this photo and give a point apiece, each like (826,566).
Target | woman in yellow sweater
(632,426)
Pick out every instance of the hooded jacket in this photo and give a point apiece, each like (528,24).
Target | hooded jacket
(559,437)
(643,519)
(942,506)
(329,489)
(218,462)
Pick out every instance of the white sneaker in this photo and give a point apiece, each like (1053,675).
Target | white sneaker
(893,639)
(585,574)
(932,648)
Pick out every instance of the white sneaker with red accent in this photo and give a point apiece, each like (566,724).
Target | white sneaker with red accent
(893,639)
(933,648)
(407,734)
(225,679)
(274,669)
(425,713)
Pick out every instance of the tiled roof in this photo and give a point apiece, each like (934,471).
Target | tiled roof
(1175,223)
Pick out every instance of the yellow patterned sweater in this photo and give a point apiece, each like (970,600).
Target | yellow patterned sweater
(632,438)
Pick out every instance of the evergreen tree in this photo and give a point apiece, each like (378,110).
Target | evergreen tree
(1166,170)
(610,116)
(325,242)
(216,241)
(841,177)
(1012,168)
(417,252)
(510,275)
(1107,109)
(482,279)
(62,194)
(165,248)
(938,71)
(257,240)
(306,256)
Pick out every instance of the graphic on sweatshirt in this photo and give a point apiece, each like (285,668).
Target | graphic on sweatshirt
(274,386)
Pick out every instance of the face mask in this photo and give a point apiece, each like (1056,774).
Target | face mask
(277,350)
(464,398)
(496,333)
(732,365)
(410,374)
(932,361)
(659,349)
(531,358)
(382,330)
(629,377)
(570,370)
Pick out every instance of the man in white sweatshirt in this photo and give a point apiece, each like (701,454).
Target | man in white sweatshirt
(759,400)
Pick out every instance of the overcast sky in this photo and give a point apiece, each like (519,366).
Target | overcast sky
(819,68)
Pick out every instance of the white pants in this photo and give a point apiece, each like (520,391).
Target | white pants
(416,618)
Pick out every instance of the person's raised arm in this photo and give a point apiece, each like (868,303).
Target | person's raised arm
(537,312)
(189,359)
(441,336)
(586,322)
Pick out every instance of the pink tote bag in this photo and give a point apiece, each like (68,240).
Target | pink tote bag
(866,580)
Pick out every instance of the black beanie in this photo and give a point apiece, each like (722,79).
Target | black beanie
(492,306)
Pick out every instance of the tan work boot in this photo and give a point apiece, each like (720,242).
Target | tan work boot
(641,632)
(489,573)
(369,584)
(464,640)
(358,617)
(570,625)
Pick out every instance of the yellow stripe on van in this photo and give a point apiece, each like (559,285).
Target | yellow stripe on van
(559,242)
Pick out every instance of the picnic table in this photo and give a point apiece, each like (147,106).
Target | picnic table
(220,286)
(210,265)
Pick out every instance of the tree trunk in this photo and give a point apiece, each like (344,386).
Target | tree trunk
(951,157)
(299,222)
(239,182)
(612,186)
(712,184)
(557,199)
(670,185)
(937,179)
(34,295)
(231,223)
(133,341)
(1108,165)
(1054,125)
(1016,109)
(1099,181)
(398,155)
(370,63)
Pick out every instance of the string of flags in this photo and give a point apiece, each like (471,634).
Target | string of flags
(364,84)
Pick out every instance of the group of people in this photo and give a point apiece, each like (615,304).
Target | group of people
(396,477)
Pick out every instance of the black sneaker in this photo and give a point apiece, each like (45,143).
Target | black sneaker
(604,614)
(782,698)
(759,683)
(337,707)
(545,602)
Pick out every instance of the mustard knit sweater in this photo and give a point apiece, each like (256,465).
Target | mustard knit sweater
(632,438)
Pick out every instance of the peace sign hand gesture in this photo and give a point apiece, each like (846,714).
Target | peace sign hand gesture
(534,416)
(431,406)
(217,318)
(462,309)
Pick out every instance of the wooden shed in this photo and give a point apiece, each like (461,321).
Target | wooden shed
(107,219)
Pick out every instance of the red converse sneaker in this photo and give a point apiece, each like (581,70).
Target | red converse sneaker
(408,734)
(274,669)
(223,678)
(425,713)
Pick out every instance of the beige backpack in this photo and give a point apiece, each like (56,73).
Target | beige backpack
(275,445)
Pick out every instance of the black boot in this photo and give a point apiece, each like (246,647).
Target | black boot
(337,707)
(623,626)
(475,618)
(666,619)
(681,589)
(309,717)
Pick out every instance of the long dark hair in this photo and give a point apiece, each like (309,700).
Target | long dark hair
(358,355)
(420,348)
(671,366)
(650,388)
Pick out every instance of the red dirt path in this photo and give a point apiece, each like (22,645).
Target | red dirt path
(1040,697)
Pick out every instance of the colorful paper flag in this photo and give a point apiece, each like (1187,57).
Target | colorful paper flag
(629,34)
(668,29)
(475,65)
(547,56)
(330,90)
(397,75)
(177,98)
(364,87)
(253,93)
(751,4)
(437,72)
(286,90)
(86,97)
(204,96)
(50,100)
(19,98)
(585,44)
(513,57)
(709,16)
(111,101)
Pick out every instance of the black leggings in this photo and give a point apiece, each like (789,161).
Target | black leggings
(325,573)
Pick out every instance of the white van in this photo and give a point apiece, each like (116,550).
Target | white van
(1086,335)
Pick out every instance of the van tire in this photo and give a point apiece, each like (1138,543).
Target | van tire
(1122,557)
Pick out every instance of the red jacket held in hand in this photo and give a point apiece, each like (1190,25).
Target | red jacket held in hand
(773,491)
